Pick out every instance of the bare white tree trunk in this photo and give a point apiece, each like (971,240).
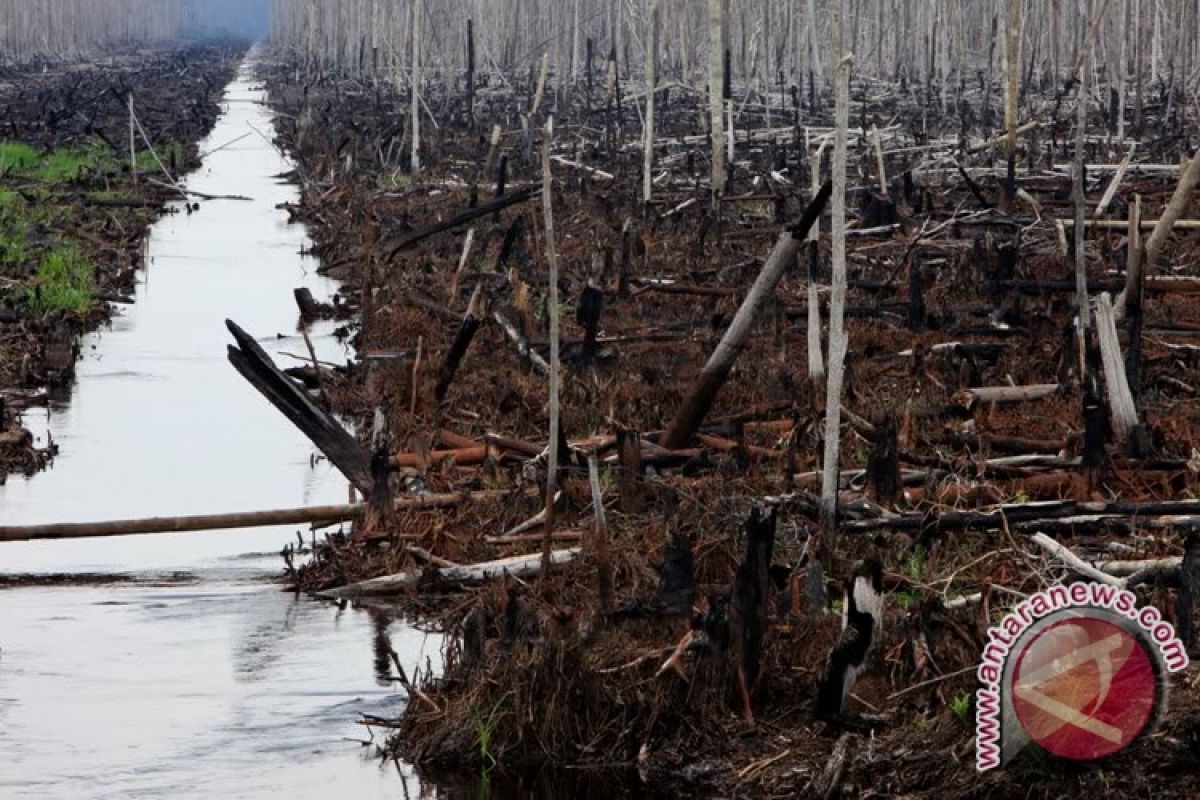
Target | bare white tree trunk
(1012,73)
(575,43)
(552,313)
(816,362)
(837,331)
(1122,65)
(416,86)
(716,89)
(651,86)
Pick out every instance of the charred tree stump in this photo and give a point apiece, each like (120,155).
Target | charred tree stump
(1095,421)
(629,451)
(474,638)
(470,324)
(750,601)
(591,304)
(310,309)
(379,504)
(861,631)
(322,429)
(883,468)
(501,180)
(678,590)
(916,296)
(1189,581)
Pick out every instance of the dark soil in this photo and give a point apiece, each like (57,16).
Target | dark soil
(561,680)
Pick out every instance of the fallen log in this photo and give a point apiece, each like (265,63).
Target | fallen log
(460,455)
(205,522)
(1018,514)
(241,519)
(516,566)
(462,218)
(968,398)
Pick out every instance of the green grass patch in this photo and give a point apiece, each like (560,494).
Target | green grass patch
(14,229)
(64,284)
(17,156)
(69,164)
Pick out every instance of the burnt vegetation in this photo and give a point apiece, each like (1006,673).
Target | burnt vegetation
(865,298)
(725,369)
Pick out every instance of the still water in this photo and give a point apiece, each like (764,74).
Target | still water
(192,675)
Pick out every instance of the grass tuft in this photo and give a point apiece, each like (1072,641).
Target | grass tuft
(63,285)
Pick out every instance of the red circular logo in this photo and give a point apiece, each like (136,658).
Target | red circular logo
(1084,688)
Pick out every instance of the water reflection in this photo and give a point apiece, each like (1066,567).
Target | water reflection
(190,675)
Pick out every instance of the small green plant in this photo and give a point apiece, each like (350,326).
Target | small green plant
(1022,497)
(904,599)
(485,729)
(63,284)
(915,566)
(961,706)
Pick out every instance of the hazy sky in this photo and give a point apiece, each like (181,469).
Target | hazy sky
(245,17)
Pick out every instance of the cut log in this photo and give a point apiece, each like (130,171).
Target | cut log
(205,522)
(969,398)
(463,455)
(242,519)
(516,566)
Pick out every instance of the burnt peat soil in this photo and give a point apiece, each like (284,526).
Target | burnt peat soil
(961,288)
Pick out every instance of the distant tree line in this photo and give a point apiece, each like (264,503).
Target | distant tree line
(951,46)
(55,29)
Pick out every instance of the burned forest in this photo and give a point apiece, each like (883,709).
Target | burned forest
(742,398)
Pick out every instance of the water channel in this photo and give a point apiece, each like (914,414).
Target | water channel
(171,666)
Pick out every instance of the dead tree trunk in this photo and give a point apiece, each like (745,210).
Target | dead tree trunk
(822,552)
(716,95)
(249,359)
(651,84)
(750,603)
(715,372)
(552,312)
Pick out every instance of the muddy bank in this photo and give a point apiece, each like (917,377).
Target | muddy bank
(968,430)
(75,208)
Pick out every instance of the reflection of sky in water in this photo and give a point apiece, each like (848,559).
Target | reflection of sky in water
(214,690)
(214,685)
(158,423)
